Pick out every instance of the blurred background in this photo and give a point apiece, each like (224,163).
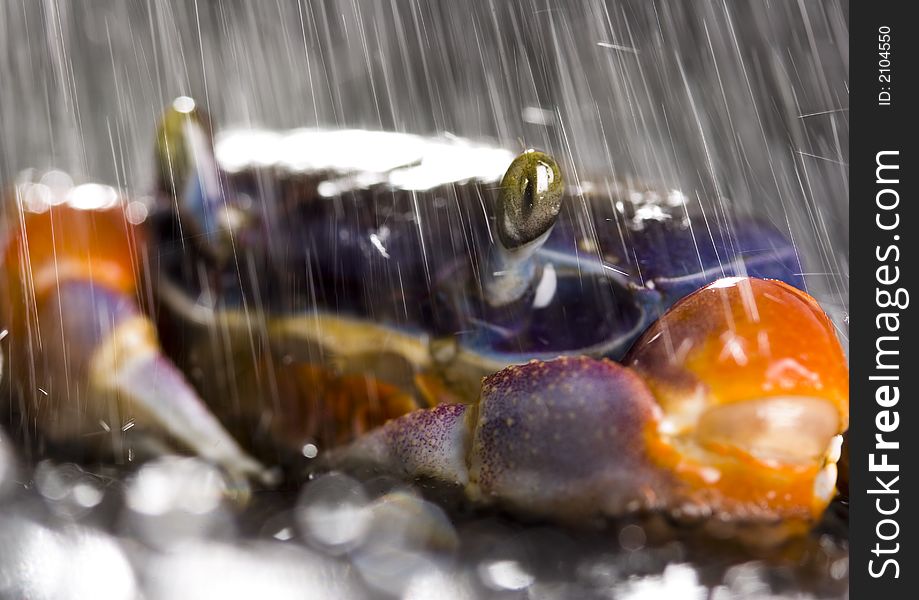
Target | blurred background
(745,101)
(741,105)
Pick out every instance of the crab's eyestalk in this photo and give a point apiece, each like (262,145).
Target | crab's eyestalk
(183,145)
(189,176)
(753,389)
(528,206)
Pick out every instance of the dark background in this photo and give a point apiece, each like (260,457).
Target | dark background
(880,128)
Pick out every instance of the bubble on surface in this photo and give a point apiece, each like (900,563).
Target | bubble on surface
(333,513)
(405,535)
(310,450)
(68,489)
(632,538)
(176,484)
(176,499)
(402,518)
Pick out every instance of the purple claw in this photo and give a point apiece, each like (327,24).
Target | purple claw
(564,438)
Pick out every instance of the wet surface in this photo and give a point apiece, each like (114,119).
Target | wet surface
(168,531)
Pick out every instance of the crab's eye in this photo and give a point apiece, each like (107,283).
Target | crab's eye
(531,197)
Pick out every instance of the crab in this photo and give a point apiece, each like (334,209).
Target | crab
(728,411)
(402,301)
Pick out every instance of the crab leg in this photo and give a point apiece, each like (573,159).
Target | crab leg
(688,427)
(99,372)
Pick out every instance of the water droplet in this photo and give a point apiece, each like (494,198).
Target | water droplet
(333,514)
(632,538)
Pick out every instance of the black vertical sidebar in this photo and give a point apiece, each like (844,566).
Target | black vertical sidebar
(884,269)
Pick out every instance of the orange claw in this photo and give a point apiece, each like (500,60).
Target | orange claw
(62,243)
(88,362)
(753,389)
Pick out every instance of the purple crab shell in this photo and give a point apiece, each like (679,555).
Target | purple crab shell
(401,241)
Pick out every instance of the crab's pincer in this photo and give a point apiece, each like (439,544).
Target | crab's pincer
(753,389)
(565,438)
